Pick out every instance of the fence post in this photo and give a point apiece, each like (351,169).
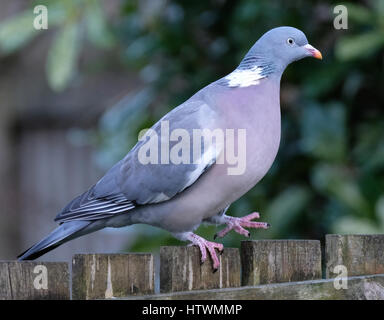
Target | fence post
(181,270)
(104,276)
(273,261)
(27,280)
(360,254)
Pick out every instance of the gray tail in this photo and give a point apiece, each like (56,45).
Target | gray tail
(63,233)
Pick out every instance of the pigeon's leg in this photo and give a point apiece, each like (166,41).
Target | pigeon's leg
(238,224)
(203,245)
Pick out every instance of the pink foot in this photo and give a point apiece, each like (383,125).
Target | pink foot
(205,245)
(237,224)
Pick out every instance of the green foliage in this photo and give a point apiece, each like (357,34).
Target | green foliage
(96,24)
(285,209)
(68,17)
(62,57)
(363,45)
(360,46)
(16,32)
(323,131)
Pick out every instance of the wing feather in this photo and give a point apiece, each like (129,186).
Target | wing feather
(131,183)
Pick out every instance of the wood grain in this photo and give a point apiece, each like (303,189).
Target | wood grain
(105,276)
(360,254)
(274,261)
(359,288)
(181,270)
(27,280)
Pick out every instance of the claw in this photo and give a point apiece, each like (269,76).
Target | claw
(238,225)
(205,245)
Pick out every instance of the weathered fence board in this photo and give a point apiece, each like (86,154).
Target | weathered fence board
(28,280)
(103,276)
(359,288)
(261,269)
(181,269)
(274,261)
(360,254)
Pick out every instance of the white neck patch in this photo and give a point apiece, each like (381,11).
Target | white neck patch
(245,78)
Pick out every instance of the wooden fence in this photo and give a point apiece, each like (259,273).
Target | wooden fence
(261,269)
(51,170)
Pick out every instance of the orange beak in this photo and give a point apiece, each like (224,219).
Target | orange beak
(313,52)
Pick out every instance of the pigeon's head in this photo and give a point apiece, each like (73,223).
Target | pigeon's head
(285,45)
(270,55)
(281,46)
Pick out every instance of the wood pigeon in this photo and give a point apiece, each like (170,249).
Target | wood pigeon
(161,182)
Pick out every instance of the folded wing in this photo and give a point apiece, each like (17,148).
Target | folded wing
(131,183)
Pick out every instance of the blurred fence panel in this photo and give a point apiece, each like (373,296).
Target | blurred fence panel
(52,172)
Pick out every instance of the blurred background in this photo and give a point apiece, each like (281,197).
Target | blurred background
(74,97)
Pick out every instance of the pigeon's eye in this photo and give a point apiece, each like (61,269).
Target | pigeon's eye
(290,41)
